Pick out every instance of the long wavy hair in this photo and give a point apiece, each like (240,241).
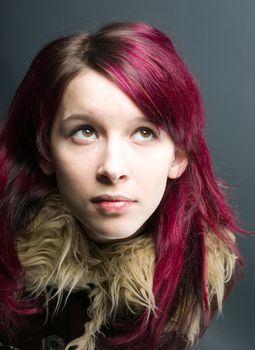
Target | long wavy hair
(144,64)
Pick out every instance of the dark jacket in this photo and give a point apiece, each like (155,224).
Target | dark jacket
(68,324)
(65,326)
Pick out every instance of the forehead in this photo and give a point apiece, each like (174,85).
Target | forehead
(92,93)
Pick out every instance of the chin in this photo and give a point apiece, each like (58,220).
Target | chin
(111,238)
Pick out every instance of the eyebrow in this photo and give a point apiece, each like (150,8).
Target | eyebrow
(77,117)
(87,117)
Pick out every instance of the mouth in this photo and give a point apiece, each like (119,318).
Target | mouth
(112,204)
(110,198)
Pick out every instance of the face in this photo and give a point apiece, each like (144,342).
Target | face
(111,163)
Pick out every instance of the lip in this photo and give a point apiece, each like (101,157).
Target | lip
(110,198)
(112,204)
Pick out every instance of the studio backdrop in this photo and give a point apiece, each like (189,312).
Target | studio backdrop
(216,39)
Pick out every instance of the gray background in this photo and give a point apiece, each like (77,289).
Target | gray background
(216,39)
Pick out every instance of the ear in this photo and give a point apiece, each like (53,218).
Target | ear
(178,164)
(46,167)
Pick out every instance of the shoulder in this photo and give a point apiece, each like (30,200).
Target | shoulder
(220,266)
(172,341)
(49,329)
(218,271)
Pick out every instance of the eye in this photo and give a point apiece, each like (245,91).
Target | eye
(143,134)
(84,133)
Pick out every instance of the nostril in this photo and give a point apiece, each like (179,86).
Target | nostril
(111,178)
(111,175)
(104,179)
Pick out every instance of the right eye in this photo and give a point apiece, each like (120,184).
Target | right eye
(84,133)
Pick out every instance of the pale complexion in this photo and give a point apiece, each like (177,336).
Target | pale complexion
(103,145)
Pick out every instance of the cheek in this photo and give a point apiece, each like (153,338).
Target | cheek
(152,186)
(71,163)
(154,168)
(71,172)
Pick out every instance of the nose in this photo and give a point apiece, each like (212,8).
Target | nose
(112,168)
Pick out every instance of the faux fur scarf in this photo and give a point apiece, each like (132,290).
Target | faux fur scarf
(57,257)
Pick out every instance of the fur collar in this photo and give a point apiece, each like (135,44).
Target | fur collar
(57,258)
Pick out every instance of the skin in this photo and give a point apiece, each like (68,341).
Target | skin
(102,144)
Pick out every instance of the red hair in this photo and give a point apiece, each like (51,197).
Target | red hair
(143,62)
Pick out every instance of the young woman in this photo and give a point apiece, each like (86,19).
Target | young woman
(114,231)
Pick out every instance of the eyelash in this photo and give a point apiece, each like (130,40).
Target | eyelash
(83,127)
(153,133)
(88,127)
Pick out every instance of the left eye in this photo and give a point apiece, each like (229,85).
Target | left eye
(86,132)
(144,134)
